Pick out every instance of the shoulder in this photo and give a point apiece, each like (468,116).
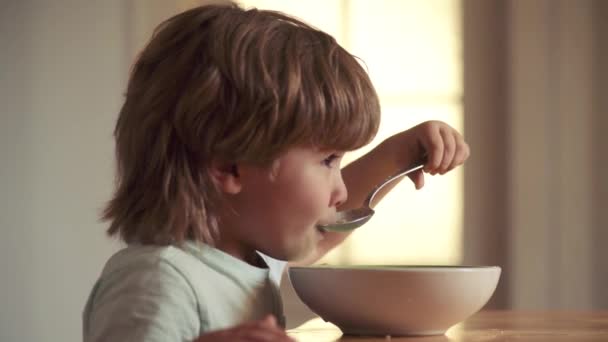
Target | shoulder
(163,271)
(163,259)
(143,290)
(147,270)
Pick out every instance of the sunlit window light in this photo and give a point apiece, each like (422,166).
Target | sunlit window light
(412,51)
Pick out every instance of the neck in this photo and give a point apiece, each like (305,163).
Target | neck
(241,252)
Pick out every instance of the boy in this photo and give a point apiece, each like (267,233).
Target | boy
(228,147)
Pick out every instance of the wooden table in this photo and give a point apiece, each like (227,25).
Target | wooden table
(487,326)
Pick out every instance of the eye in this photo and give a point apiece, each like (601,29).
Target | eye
(331,160)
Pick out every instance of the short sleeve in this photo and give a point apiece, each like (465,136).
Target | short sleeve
(150,303)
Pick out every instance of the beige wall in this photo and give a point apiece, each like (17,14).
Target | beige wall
(62,69)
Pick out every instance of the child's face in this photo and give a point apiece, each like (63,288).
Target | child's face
(278,208)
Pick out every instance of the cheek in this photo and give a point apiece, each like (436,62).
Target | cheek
(291,204)
(308,196)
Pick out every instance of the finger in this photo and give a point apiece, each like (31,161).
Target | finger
(417,178)
(265,329)
(257,335)
(433,147)
(262,330)
(266,335)
(449,149)
(462,153)
(267,322)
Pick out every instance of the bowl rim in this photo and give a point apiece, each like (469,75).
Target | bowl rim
(398,268)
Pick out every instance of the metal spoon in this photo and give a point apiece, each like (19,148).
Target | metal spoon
(354,218)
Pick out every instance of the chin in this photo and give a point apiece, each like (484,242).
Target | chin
(295,249)
(300,252)
(287,254)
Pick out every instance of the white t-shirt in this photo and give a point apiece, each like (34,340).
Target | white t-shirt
(153,293)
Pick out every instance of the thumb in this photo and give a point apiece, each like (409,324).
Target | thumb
(417,178)
(270,321)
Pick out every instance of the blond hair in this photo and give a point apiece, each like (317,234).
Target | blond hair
(219,82)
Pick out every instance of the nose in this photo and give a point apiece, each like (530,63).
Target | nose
(339,192)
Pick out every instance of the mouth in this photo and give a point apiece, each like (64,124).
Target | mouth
(328,220)
(321,229)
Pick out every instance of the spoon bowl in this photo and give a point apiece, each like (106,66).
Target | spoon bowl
(348,220)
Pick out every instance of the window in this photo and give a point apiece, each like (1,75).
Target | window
(412,51)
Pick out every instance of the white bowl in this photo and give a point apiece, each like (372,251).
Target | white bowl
(394,300)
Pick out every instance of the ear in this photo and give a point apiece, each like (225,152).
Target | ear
(226,177)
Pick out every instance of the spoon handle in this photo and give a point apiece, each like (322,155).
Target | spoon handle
(399,174)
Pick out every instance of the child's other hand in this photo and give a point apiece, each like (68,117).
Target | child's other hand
(442,145)
(262,330)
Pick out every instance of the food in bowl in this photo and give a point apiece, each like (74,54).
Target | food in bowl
(394,300)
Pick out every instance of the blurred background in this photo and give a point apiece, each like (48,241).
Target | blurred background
(522,79)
